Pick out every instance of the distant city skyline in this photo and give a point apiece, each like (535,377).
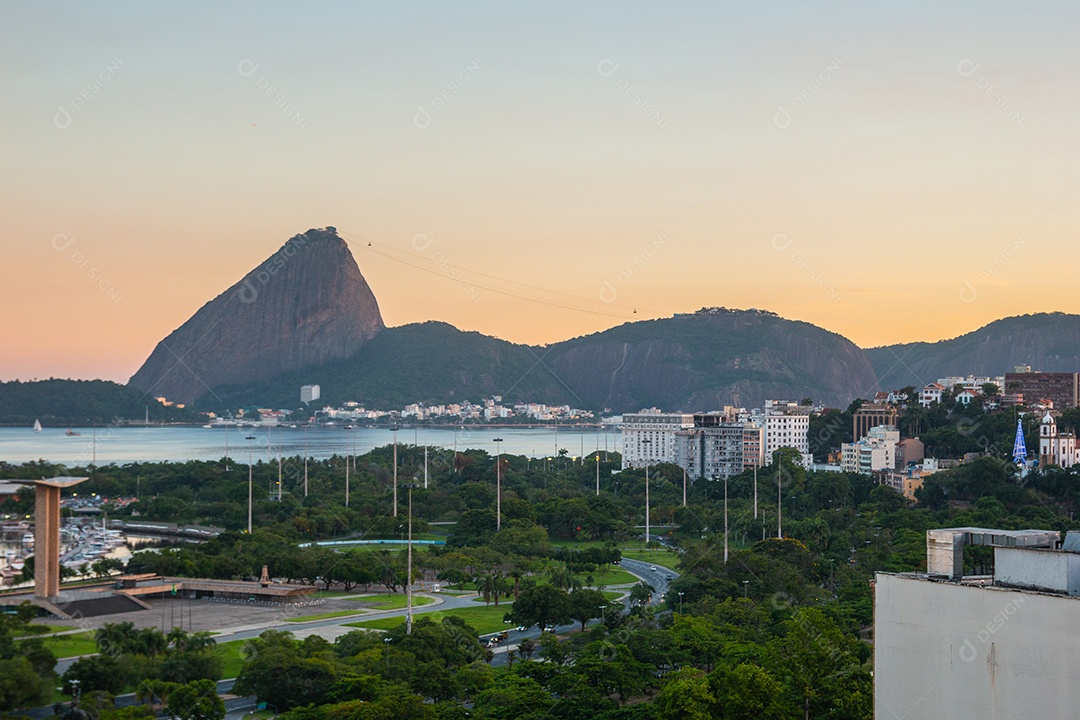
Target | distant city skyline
(890,172)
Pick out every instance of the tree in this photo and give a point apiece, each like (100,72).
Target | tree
(641,593)
(197,700)
(586,605)
(686,696)
(542,605)
(746,692)
(96,672)
(20,686)
(514,698)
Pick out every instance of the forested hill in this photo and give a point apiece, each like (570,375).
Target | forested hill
(1049,342)
(707,359)
(81,402)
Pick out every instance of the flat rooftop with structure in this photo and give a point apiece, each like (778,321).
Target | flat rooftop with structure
(997,646)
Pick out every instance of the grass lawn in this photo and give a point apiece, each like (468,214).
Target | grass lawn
(663,558)
(610,576)
(392,601)
(65,646)
(230,654)
(36,630)
(324,616)
(484,619)
(613,595)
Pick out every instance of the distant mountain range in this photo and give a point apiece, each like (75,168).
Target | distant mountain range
(1049,342)
(307,316)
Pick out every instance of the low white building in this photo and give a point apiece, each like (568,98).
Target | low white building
(931,394)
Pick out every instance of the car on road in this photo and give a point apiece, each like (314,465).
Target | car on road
(653,568)
(521,628)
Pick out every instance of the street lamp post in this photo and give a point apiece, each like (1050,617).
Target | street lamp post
(680,602)
(647,526)
(779,503)
(248,488)
(498,483)
(346,481)
(597,474)
(394,430)
(745,583)
(408,570)
(725,522)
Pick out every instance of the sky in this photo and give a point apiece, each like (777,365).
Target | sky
(890,171)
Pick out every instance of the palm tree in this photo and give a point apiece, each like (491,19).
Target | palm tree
(488,585)
(642,593)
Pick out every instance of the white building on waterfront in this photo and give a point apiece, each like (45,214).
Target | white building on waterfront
(649,437)
(309,393)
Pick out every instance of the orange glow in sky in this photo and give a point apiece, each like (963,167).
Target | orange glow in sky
(890,173)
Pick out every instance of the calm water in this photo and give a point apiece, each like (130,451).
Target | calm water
(175,444)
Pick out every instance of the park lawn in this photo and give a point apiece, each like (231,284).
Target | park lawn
(485,620)
(392,601)
(231,654)
(324,616)
(610,576)
(613,594)
(37,630)
(663,558)
(65,646)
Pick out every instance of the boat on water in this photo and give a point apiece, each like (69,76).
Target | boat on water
(28,539)
(72,433)
(37,426)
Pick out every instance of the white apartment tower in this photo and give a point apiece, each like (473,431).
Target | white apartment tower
(649,437)
(309,393)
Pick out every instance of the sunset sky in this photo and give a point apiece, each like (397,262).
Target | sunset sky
(890,171)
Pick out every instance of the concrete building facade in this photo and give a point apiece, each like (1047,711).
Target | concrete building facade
(1059,388)
(871,415)
(649,437)
(982,647)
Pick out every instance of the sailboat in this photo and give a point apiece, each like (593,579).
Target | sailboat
(37,426)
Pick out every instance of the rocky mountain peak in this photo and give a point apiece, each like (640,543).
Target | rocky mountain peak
(306,304)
